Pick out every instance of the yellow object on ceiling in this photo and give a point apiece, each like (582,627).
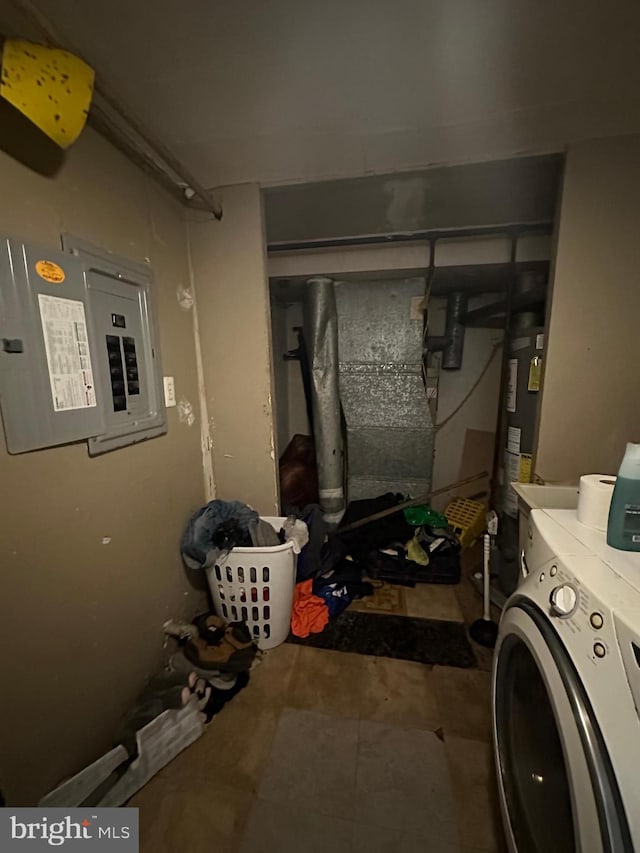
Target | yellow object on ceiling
(51,87)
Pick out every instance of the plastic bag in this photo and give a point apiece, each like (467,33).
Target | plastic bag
(422,515)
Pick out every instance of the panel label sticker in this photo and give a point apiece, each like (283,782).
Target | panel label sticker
(53,273)
(524,473)
(513,439)
(66,342)
(512,471)
(512,384)
(535,374)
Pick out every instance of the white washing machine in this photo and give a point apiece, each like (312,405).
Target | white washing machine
(566,693)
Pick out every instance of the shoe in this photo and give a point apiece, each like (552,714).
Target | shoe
(232,654)
(210,628)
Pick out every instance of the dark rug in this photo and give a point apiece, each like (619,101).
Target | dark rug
(402,637)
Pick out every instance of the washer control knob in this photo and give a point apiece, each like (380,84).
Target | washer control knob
(564,600)
(599,650)
(596,620)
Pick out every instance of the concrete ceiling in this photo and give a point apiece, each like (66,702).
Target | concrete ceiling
(291,90)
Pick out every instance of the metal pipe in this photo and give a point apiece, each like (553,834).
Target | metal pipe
(46,30)
(454,331)
(159,148)
(436,343)
(321,335)
(522,321)
(511,230)
(451,343)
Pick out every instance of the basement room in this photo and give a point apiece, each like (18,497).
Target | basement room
(319,445)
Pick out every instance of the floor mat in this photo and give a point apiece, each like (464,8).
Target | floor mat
(423,640)
(387,599)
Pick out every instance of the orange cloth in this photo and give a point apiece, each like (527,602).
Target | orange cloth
(309,614)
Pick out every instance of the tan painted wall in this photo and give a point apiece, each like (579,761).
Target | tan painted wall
(589,406)
(229,264)
(81,620)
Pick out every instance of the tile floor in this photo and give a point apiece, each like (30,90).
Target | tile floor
(332,751)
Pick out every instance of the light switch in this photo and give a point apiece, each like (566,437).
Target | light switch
(169,391)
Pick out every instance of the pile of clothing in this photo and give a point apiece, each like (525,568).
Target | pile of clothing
(173,689)
(219,647)
(220,526)
(317,600)
(217,653)
(211,668)
(415,545)
(336,567)
(333,567)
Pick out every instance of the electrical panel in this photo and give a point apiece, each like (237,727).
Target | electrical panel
(78,351)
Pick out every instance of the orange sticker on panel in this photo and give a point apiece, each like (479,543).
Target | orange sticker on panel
(50,272)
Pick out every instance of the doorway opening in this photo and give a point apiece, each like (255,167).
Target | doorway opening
(440,333)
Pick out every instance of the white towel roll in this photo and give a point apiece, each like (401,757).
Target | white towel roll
(594,500)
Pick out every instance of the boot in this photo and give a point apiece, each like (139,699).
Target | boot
(233,653)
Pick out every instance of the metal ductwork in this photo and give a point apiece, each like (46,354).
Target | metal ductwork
(321,331)
(389,426)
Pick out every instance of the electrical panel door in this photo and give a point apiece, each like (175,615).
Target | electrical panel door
(78,351)
(48,358)
(128,369)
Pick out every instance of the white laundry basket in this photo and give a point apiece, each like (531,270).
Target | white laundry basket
(255,585)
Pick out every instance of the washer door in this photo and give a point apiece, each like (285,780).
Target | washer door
(557,788)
